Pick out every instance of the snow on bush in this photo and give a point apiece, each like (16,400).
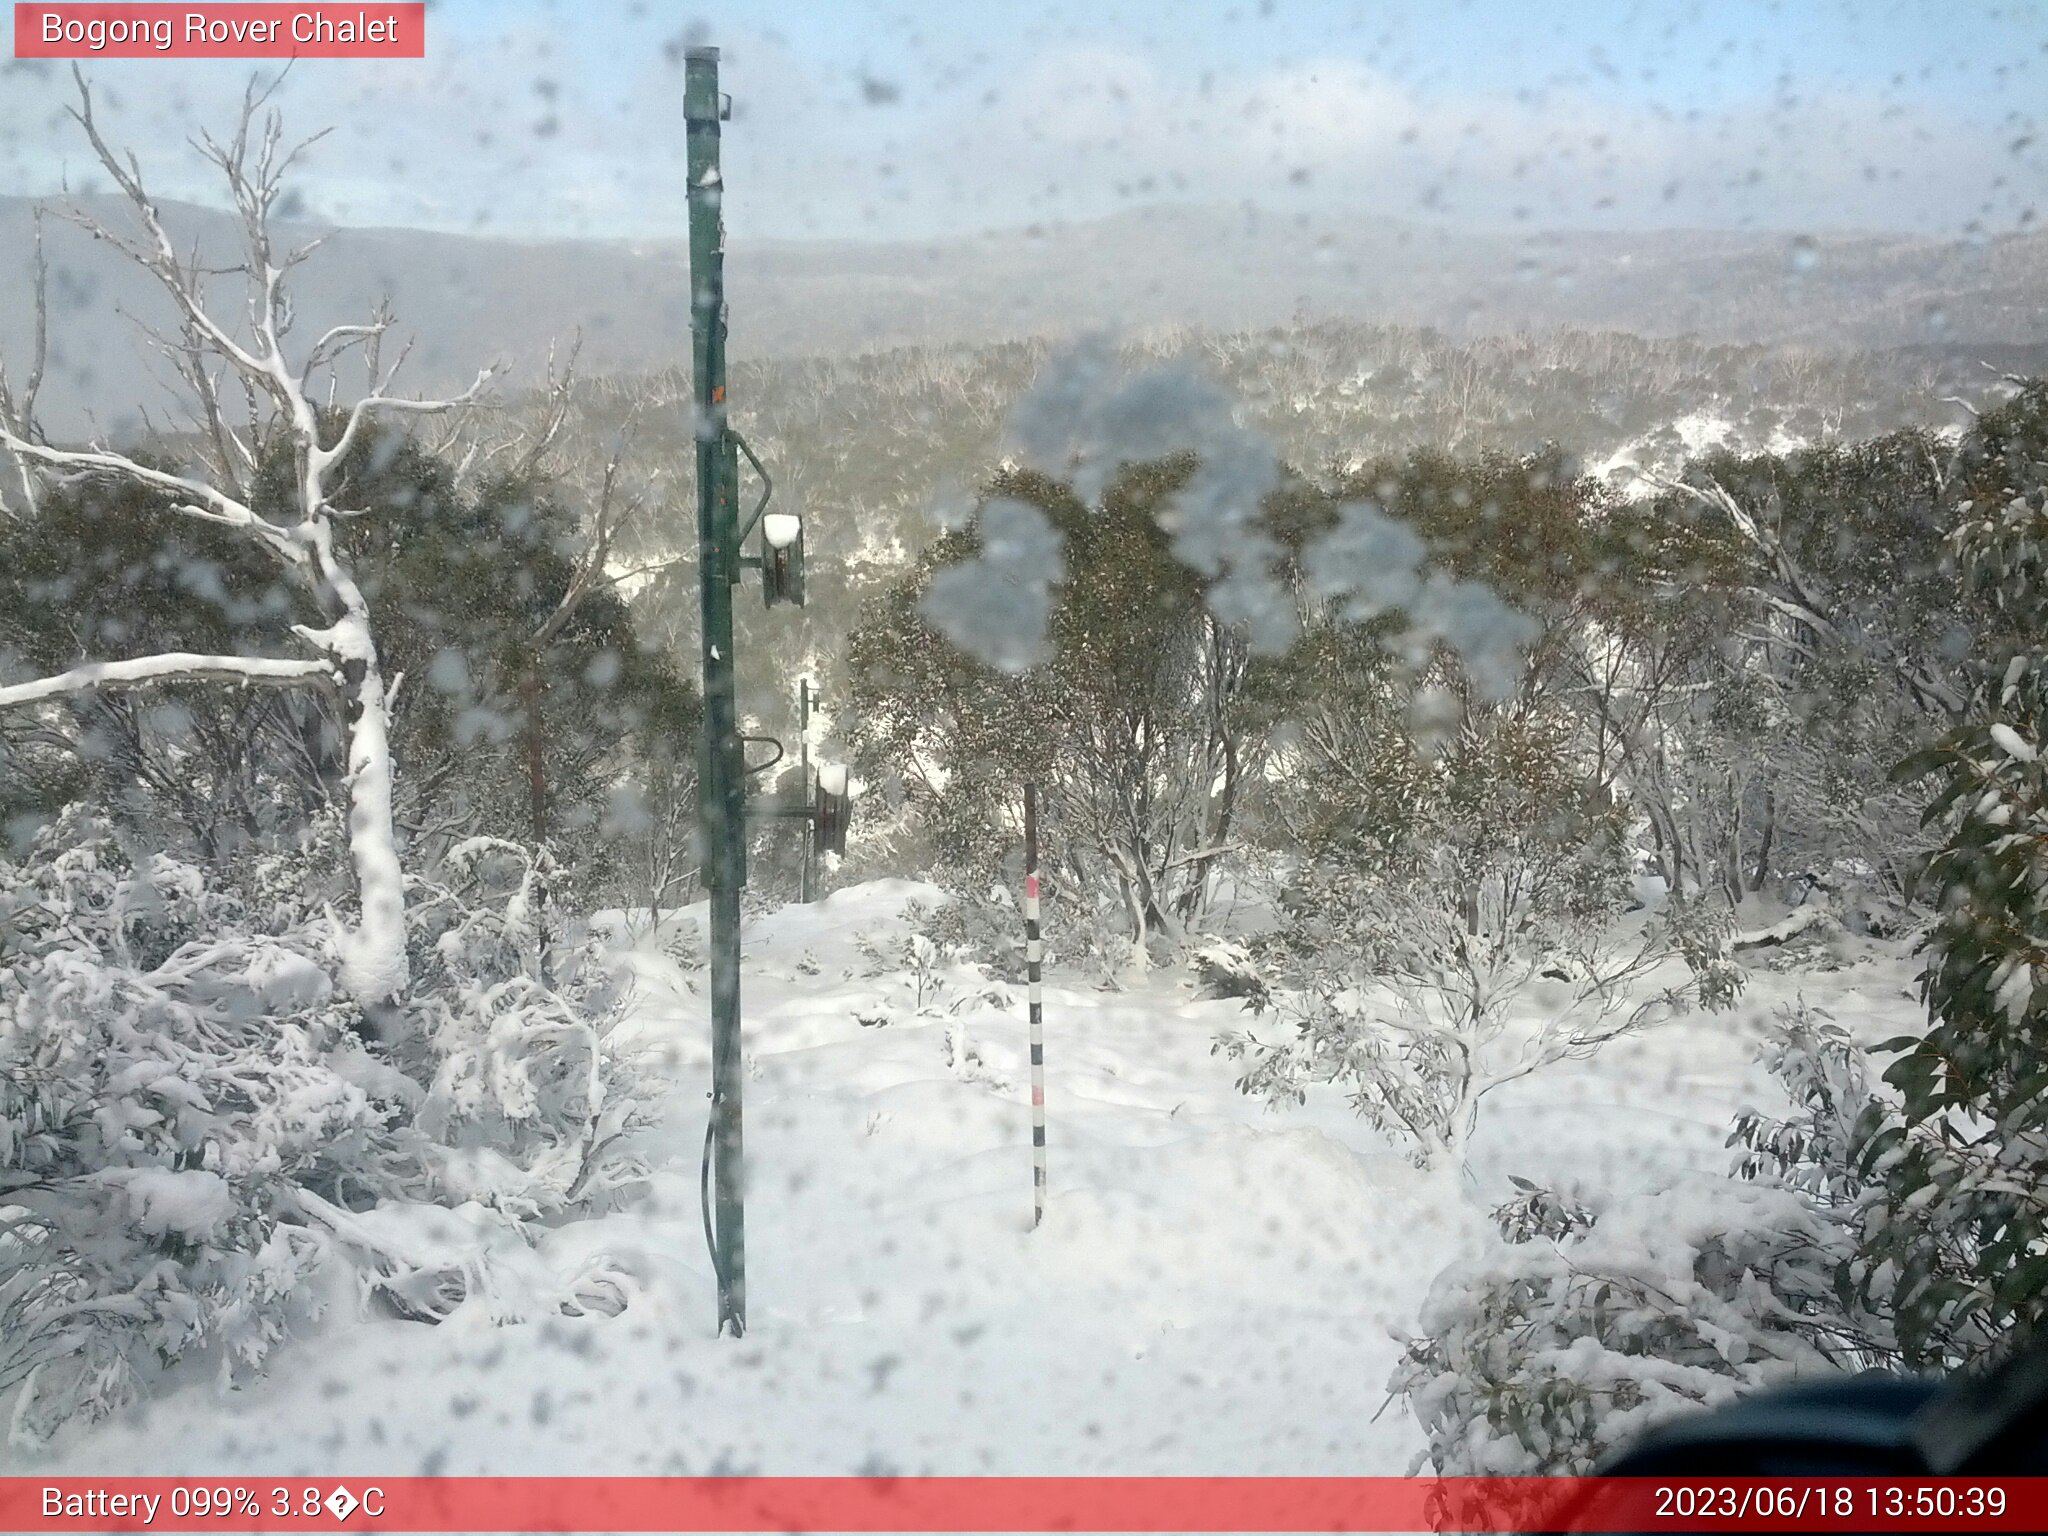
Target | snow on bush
(1463,919)
(1550,1354)
(1444,980)
(1596,1320)
(529,1110)
(197,1128)
(978,922)
(934,974)
(1450,1017)
(1227,968)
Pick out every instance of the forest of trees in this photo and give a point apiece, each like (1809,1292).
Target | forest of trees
(1808,680)
(319,740)
(323,738)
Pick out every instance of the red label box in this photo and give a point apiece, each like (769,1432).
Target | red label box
(222,31)
(1680,1506)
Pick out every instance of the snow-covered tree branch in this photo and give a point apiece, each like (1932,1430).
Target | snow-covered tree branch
(1787,586)
(171,667)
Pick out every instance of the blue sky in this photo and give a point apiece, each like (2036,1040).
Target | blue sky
(861,120)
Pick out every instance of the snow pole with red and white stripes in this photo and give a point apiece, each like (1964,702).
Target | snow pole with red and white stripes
(1034,953)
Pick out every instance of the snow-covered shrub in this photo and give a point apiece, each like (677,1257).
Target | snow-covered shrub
(934,969)
(517,1002)
(1533,1211)
(1467,930)
(1226,968)
(1462,917)
(1597,1319)
(914,959)
(195,1125)
(685,947)
(1703,933)
(982,924)
(980,921)
(1821,1069)
(167,1074)
(527,1108)
(1450,1016)
(1551,1353)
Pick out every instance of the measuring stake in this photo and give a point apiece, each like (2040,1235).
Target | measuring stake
(1034,951)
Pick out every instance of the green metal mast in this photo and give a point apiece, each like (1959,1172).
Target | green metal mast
(721,769)
(722,807)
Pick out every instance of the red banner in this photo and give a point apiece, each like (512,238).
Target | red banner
(217,31)
(922,1504)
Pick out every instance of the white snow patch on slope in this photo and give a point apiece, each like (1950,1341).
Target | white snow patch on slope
(1213,1291)
(1701,430)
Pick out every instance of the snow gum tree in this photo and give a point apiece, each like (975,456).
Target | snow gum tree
(1141,714)
(474,581)
(216,355)
(1954,1231)
(1452,915)
(1899,1222)
(1798,627)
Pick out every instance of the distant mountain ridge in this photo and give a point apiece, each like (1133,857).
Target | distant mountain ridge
(468,299)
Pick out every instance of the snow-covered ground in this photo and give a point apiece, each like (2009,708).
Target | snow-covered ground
(1214,1291)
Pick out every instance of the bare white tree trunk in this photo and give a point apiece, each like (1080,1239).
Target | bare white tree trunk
(374,965)
(374,957)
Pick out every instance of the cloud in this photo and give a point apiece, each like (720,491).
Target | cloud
(1094,131)
(507,130)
